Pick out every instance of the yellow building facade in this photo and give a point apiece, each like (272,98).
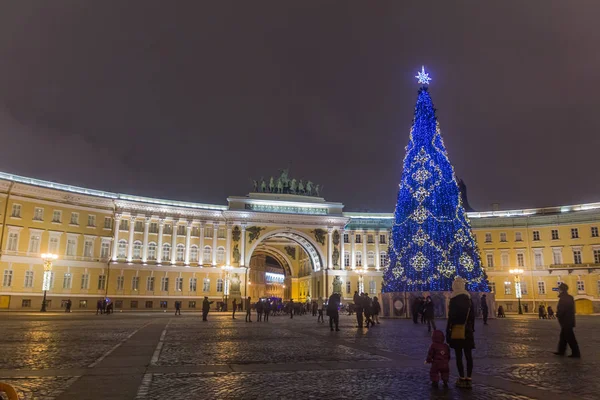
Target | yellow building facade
(145,254)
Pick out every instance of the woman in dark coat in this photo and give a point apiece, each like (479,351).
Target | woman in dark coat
(461,312)
(332,311)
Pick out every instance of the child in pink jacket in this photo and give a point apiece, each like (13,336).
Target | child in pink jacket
(439,358)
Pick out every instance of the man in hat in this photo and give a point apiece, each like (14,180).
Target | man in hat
(565,312)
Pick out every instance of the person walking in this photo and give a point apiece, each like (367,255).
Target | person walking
(429,313)
(358,308)
(460,331)
(248,309)
(565,312)
(266,310)
(550,312)
(484,309)
(416,304)
(367,304)
(259,310)
(69,304)
(320,310)
(422,310)
(376,310)
(501,312)
(177,307)
(541,312)
(291,304)
(439,358)
(206,308)
(99,307)
(315,308)
(234,308)
(333,311)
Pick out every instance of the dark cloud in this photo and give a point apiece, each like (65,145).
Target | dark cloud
(189,100)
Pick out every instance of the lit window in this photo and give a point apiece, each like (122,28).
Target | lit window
(122,250)
(135,283)
(179,284)
(101,282)
(536,235)
(7,280)
(518,237)
(28,279)
(492,286)
(194,253)
(166,251)
(38,214)
(577,256)
(13,240)
(152,251)
(206,285)
(542,287)
(523,286)
(507,288)
(180,252)
(219,285)
(16,211)
(358,259)
(137,250)
(207,255)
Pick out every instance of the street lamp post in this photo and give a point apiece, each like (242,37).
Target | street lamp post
(48,258)
(517,273)
(226,284)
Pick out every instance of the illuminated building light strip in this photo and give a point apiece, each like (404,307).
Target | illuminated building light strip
(274,277)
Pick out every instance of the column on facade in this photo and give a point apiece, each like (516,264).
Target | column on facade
(188,237)
(145,244)
(377,257)
(174,243)
(130,243)
(115,252)
(228,245)
(365,257)
(329,248)
(214,245)
(201,249)
(243,246)
(352,253)
(342,263)
(161,228)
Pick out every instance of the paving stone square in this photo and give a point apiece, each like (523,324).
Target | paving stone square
(157,356)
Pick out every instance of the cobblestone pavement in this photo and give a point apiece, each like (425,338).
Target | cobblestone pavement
(157,356)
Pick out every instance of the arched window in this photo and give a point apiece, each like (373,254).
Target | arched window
(358,255)
(194,253)
(180,252)
(383,259)
(166,253)
(151,251)
(206,255)
(220,255)
(122,253)
(137,250)
(371,259)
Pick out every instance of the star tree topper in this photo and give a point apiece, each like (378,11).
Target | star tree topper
(423,77)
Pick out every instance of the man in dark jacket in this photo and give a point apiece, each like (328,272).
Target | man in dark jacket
(358,307)
(565,312)
(416,305)
(206,308)
(484,309)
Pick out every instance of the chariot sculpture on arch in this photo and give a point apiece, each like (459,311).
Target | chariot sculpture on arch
(284,184)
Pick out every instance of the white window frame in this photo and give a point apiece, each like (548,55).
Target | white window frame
(207,255)
(120,282)
(152,247)
(504,259)
(35,241)
(166,251)
(489,258)
(541,287)
(15,211)
(370,259)
(520,259)
(580,285)
(346,259)
(105,249)
(28,280)
(557,256)
(206,285)
(179,284)
(74,219)
(38,214)
(67,280)
(12,244)
(555,234)
(137,250)
(220,255)
(91,223)
(358,258)
(574,233)
(180,255)
(538,259)
(71,251)
(85,281)
(383,259)
(219,285)
(164,283)
(503,238)
(536,235)
(150,284)
(53,242)
(518,236)
(594,231)
(7,278)
(577,258)
(193,285)
(135,283)
(102,282)
(194,253)
(88,248)
(488,237)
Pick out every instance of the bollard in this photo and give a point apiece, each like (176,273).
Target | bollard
(9,390)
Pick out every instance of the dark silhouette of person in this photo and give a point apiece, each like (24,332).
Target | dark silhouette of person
(266,310)
(565,312)
(484,309)
(234,307)
(358,308)
(416,305)
(68,307)
(333,311)
(99,307)
(291,304)
(248,310)
(206,308)
(429,313)
(177,308)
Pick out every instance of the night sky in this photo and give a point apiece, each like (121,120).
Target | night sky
(191,100)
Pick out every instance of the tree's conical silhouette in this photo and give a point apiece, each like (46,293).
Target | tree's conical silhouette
(431,241)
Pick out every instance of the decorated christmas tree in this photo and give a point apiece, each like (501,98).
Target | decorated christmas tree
(431,241)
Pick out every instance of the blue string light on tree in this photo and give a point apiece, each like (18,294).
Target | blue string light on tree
(431,241)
